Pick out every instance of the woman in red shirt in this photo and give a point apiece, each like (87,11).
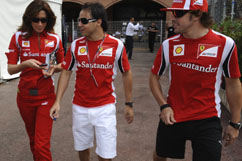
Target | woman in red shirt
(39,52)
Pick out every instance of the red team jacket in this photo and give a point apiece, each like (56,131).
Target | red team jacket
(112,55)
(195,72)
(24,49)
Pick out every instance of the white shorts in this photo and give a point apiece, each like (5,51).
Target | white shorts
(100,119)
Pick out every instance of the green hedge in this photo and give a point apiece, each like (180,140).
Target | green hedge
(232,29)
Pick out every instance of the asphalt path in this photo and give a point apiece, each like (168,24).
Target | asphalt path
(136,141)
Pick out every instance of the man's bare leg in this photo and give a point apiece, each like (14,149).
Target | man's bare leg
(157,158)
(102,159)
(84,155)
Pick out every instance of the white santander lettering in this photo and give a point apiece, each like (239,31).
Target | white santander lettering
(95,65)
(208,69)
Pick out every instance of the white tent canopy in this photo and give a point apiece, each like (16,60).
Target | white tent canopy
(11,12)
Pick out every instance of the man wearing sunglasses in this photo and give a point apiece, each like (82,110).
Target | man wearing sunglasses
(96,57)
(196,58)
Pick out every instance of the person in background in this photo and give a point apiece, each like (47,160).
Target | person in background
(130,30)
(196,58)
(170,30)
(34,44)
(152,30)
(97,56)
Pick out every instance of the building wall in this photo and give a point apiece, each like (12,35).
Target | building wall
(121,9)
(108,3)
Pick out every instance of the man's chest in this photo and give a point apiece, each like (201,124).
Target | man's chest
(103,57)
(196,53)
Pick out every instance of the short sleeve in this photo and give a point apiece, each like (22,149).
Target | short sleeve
(231,65)
(69,60)
(160,63)
(123,62)
(13,51)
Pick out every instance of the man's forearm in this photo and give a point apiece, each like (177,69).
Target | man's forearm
(127,82)
(156,89)
(234,97)
(62,84)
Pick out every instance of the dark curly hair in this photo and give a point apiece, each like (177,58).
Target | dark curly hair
(205,18)
(32,11)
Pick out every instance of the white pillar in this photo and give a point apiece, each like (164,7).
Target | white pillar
(224,10)
(161,23)
(73,29)
(232,9)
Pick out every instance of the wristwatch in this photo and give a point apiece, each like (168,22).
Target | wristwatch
(235,125)
(130,104)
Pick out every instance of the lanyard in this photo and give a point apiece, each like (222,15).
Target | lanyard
(94,58)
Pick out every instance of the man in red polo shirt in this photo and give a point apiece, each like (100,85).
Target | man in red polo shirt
(96,57)
(195,58)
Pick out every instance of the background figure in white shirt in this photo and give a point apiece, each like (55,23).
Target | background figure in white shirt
(129,36)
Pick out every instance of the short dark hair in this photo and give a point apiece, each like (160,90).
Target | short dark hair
(97,11)
(206,19)
(31,11)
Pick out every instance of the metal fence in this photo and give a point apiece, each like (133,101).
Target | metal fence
(117,29)
(221,9)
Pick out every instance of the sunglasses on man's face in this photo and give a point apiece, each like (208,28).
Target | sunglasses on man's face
(37,20)
(179,13)
(86,21)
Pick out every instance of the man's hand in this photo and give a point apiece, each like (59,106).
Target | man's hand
(167,116)
(230,134)
(129,114)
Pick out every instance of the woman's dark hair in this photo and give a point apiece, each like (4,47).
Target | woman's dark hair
(32,11)
(97,12)
(205,19)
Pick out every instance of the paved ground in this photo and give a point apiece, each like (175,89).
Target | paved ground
(135,142)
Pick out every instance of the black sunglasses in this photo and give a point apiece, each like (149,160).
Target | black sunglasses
(179,13)
(37,20)
(86,21)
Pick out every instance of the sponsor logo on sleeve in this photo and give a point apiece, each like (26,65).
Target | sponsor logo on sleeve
(83,41)
(178,50)
(10,51)
(25,44)
(82,50)
(207,50)
(44,103)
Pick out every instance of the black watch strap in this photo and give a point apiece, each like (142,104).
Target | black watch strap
(130,104)
(235,125)
(162,107)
